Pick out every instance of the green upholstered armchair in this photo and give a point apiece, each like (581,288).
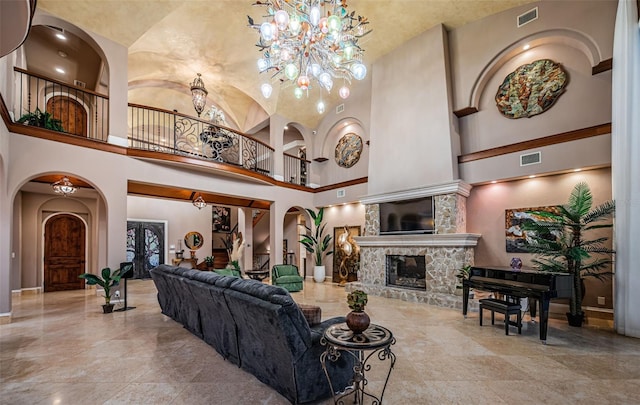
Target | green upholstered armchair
(227,272)
(287,276)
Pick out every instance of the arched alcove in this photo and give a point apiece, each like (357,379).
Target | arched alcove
(35,203)
(567,37)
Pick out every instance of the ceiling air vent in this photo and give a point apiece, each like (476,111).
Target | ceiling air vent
(340,108)
(340,193)
(527,17)
(78,83)
(530,159)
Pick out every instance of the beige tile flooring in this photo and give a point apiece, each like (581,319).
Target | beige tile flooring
(60,349)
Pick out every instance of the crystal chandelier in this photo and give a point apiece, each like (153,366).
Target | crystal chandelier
(64,187)
(199,202)
(310,40)
(198,94)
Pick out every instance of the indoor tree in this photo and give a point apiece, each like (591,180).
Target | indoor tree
(558,239)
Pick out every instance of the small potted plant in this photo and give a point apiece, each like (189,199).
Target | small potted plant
(462,274)
(108,280)
(209,260)
(42,119)
(357,320)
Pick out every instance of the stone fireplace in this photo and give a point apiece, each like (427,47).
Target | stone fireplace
(390,263)
(406,271)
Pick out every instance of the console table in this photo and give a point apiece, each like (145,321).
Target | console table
(375,342)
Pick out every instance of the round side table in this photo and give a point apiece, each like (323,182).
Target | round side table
(375,342)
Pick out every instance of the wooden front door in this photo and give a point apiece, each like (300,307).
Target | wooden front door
(64,253)
(70,112)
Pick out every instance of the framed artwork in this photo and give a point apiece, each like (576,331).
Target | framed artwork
(531,89)
(348,150)
(221,218)
(346,259)
(285,249)
(517,238)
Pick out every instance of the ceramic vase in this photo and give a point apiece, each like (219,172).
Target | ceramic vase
(358,321)
(319,273)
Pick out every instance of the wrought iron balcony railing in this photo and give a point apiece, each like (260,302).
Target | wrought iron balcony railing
(296,169)
(50,104)
(171,132)
(73,110)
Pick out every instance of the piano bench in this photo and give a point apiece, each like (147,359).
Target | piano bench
(503,307)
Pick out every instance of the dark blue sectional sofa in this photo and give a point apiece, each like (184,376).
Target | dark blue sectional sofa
(257,326)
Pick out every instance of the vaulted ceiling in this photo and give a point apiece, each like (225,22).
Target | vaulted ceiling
(170,41)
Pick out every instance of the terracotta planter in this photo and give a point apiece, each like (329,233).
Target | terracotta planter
(358,322)
(107,308)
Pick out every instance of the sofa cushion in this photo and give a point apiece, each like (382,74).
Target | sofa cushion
(312,313)
(258,289)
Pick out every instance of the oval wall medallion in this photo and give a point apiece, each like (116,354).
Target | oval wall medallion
(348,150)
(531,89)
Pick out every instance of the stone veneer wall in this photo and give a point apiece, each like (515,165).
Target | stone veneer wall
(451,212)
(371,220)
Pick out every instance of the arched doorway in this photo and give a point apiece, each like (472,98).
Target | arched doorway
(70,112)
(64,253)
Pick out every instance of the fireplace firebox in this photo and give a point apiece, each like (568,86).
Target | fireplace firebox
(406,272)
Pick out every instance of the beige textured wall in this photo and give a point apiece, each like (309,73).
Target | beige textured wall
(474,46)
(486,215)
(586,102)
(411,144)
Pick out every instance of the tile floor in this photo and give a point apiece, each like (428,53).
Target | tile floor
(60,349)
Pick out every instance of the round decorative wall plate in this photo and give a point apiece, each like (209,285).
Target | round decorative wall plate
(531,89)
(348,150)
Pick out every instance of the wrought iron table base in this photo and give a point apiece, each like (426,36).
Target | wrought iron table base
(375,342)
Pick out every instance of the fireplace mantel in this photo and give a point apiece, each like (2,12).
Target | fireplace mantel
(445,240)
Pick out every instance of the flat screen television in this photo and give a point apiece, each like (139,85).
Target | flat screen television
(408,216)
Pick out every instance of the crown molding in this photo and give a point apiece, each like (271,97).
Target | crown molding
(457,187)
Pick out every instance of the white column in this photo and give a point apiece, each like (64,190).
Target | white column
(245,222)
(625,136)
(276,139)
(276,235)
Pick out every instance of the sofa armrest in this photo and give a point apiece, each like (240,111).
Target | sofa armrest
(317,331)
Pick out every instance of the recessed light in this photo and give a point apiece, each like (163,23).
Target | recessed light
(527,46)
(61,36)
(532,176)
(62,54)
(494,182)
(60,70)
(577,170)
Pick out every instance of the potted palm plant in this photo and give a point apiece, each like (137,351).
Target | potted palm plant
(107,280)
(558,241)
(316,243)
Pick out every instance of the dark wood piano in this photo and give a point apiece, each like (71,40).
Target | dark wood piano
(536,285)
